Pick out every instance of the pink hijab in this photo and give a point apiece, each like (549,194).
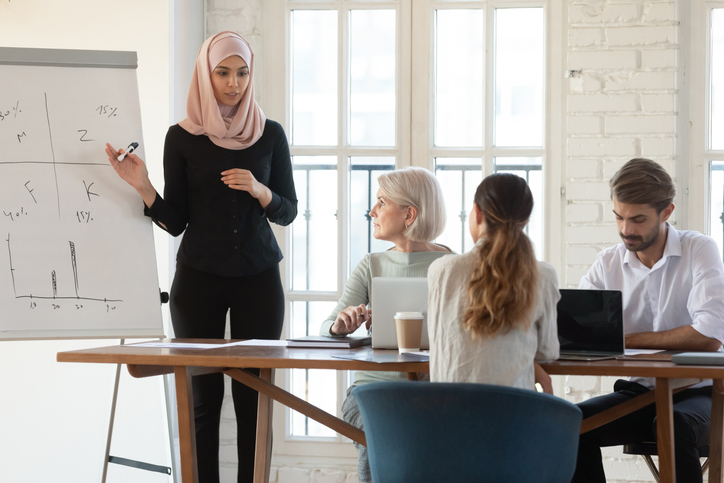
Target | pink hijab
(235,127)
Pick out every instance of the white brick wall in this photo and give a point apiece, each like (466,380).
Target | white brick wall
(630,50)
(623,104)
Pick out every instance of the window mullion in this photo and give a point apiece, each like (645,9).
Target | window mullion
(403,78)
(489,89)
(344,177)
(343,143)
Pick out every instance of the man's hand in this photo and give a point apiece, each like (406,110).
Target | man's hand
(681,338)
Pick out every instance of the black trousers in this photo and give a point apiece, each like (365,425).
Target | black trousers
(692,417)
(199,302)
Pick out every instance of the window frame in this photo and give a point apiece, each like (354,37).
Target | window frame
(695,149)
(414,147)
(423,150)
(285,443)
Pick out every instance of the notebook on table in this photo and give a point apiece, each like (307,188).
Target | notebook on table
(590,324)
(391,295)
(322,341)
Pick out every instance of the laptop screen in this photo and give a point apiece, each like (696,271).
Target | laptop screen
(391,295)
(590,321)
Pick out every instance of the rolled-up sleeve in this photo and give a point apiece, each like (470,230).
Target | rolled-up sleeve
(706,299)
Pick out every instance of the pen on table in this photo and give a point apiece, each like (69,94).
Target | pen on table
(131,147)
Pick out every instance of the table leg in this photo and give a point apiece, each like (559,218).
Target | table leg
(717,424)
(262,459)
(186,425)
(297,404)
(665,430)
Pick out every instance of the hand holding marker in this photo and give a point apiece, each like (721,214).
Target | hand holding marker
(131,147)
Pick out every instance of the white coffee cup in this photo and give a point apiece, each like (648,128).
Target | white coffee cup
(409,330)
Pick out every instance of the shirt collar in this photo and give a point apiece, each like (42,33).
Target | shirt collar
(672,249)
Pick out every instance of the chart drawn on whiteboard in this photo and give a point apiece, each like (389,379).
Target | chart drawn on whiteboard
(33,296)
(80,252)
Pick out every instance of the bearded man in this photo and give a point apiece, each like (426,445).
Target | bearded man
(673,298)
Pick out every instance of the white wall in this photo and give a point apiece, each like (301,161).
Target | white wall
(54,417)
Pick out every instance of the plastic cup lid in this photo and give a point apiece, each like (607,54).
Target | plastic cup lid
(408,315)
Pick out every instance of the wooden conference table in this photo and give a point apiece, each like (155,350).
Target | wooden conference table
(185,363)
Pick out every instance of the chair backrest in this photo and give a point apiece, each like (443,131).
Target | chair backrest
(458,432)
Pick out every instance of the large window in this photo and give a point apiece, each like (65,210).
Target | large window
(455,87)
(714,150)
(703,191)
(488,110)
(344,102)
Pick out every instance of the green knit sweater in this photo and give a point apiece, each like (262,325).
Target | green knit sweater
(359,287)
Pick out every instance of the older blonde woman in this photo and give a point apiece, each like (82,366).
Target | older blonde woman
(410,212)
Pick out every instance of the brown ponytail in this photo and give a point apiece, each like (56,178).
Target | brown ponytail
(503,287)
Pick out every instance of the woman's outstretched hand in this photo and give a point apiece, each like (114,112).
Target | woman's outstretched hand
(134,172)
(243,180)
(351,319)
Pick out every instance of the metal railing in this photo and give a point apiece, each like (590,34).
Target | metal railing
(371,170)
(464,170)
(720,167)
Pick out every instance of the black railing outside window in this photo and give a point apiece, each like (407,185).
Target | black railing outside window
(718,167)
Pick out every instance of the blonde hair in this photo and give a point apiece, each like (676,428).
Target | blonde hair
(503,288)
(643,182)
(417,187)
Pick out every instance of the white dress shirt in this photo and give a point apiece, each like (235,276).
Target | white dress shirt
(685,287)
(506,359)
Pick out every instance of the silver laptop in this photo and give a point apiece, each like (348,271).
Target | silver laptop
(389,296)
(590,324)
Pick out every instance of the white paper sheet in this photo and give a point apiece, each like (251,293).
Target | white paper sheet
(261,342)
(177,345)
(192,345)
(635,352)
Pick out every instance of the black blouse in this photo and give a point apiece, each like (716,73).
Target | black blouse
(227,232)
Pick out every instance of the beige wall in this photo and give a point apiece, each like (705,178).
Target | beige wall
(55,416)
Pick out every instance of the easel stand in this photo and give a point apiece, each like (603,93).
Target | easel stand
(124,461)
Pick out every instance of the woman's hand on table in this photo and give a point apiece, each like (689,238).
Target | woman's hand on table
(350,319)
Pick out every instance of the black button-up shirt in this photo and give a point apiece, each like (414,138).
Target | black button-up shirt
(227,232)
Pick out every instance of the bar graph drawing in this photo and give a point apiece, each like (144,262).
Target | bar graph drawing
(53,282)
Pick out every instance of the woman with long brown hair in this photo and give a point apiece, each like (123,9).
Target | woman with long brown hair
(492,310)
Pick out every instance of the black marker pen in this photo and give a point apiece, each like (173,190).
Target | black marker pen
(131,147)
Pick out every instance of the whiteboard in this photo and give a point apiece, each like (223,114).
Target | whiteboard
(77,257)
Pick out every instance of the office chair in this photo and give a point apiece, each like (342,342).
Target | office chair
(649,449)
(457,432)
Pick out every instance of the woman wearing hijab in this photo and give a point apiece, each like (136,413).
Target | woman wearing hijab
(227,171)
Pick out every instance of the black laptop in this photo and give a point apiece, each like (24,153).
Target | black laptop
(590,324)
